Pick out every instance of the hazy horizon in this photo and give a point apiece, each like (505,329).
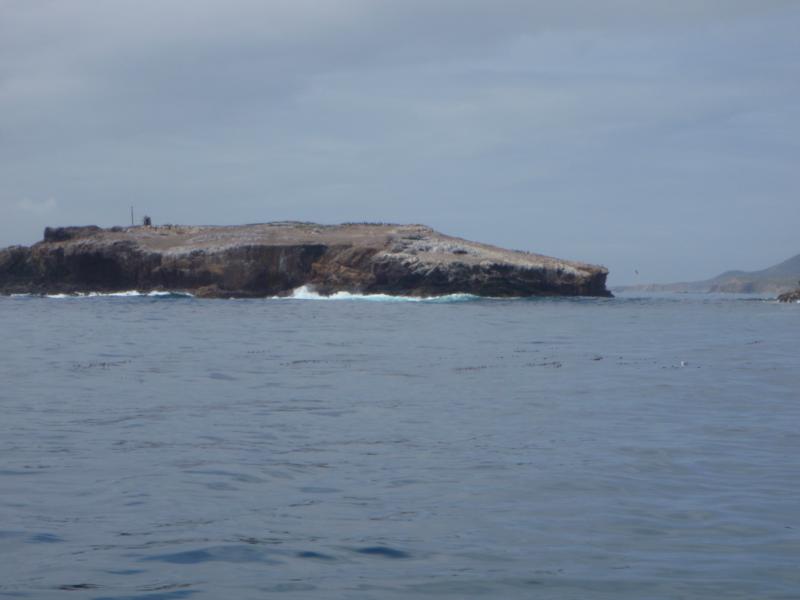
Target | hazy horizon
(653,138)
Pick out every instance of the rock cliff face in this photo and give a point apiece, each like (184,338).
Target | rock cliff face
(275,258)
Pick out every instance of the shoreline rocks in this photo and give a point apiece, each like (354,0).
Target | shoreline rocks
(272,259)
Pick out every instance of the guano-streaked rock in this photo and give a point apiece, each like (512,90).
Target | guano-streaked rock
(275,258)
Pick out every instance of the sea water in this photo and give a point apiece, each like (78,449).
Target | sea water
(167,447)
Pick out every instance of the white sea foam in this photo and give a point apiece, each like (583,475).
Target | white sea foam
(302,293)
(128,294)
(306,293)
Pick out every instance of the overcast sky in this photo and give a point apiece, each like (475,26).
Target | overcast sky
(662,137)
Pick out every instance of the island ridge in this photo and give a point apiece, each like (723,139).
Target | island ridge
(273,259)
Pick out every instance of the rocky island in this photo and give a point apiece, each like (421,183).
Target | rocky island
(273,259)
(790,296)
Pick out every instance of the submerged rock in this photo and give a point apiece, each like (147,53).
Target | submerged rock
(275,258)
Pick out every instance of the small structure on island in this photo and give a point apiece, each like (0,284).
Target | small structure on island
(147,221)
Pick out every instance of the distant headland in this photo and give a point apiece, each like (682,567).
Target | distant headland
(272,259)
(775,280)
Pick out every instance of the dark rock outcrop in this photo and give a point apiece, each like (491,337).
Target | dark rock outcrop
(790,296)
(62,234)
(275,258)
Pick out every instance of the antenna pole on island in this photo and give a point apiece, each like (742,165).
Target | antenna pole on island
(131,215)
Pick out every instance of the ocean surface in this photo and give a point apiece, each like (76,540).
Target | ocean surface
(166,447)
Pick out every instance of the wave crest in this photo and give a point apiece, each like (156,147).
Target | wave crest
(128,294)
(307,293)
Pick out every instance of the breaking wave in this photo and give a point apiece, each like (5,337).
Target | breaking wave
(306,293)
(129,294)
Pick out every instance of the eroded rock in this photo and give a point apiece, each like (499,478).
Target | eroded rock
(275,258)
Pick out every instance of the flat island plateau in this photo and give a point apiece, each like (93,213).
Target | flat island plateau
(273,259)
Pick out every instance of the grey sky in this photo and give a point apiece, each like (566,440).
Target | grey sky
(658,136)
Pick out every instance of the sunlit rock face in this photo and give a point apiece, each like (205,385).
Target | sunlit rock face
(273,259)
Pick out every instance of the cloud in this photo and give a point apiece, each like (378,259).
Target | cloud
(493,120)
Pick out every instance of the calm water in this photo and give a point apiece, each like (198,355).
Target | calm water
(168,448)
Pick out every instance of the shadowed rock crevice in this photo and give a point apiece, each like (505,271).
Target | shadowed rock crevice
(275,258)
